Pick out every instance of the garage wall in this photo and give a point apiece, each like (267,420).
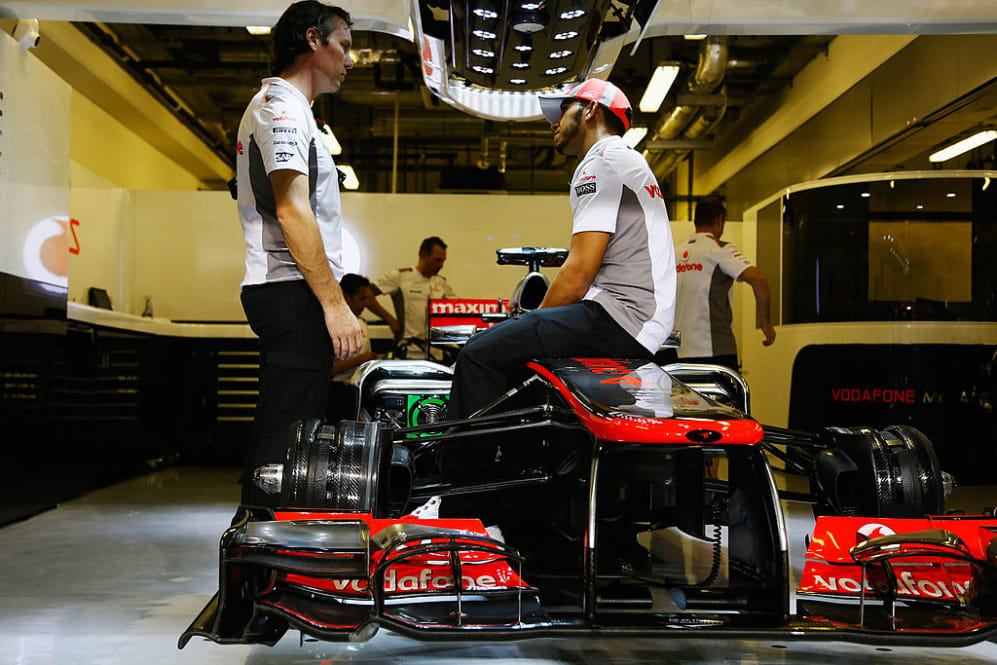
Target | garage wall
(925,76)
(116,155)
(185,249)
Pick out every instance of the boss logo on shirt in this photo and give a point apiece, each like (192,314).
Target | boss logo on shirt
(284,156)
(585,188)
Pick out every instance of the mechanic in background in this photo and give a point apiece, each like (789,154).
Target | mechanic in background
(707,268)
(290,292)
(411,289)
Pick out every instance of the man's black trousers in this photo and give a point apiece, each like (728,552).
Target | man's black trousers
(295,367)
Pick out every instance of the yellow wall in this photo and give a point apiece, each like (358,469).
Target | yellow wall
(110,151)
(185,249)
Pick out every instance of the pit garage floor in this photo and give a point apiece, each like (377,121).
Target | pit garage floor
(114,577)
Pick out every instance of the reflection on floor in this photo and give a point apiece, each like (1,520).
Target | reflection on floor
(114,577)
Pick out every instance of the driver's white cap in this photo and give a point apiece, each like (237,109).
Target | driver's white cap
(597,90)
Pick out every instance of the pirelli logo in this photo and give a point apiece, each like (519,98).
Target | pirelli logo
(585,188)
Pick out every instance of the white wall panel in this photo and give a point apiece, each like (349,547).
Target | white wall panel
(106,241)
(34,167)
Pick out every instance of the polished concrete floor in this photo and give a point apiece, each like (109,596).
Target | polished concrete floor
(115,576)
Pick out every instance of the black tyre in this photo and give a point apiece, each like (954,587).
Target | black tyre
(929,472)
(337,468)
(895,473)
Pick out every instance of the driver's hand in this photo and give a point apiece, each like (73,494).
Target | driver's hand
(769,332)
(344,330)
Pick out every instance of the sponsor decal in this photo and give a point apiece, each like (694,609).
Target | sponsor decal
(284,130)
(284,157)
(874,395)
(685,255)
(654,191)
(603,365)
(585,188)
(285,142)
(454,306)
(238,147)
(686,267)
(75,247)
(283,117)
(826,580)
(435,574)
(873,530)
(586,178)
(426,579)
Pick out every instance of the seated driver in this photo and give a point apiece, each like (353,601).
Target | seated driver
(615,294)
(613,297)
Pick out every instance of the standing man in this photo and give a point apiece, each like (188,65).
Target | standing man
(411,289)
(291,218)
(707,268)
(615,293)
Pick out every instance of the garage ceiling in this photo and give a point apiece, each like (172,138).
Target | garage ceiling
(207,74)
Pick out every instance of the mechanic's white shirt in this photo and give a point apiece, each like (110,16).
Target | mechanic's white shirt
(706,269)
(416,290)
(278,131)
(364,348)
(614,190)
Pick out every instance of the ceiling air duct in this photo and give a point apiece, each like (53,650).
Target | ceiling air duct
(687,121)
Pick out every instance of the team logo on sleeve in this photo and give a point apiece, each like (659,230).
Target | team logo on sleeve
(585,188)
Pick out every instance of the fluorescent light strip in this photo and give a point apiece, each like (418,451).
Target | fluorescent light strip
(634,135)
(351,181)
(661,82)
(329,139)
(965,145)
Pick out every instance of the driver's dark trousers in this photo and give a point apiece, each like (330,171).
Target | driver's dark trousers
(495,360)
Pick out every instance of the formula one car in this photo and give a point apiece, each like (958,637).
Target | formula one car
(632,500)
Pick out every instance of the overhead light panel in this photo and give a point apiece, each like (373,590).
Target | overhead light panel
(329,139)
(965,145)
(350,181)
(258,29)
(661,82)
(634,135)
(694,37)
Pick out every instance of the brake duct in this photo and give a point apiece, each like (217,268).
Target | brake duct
(687,121)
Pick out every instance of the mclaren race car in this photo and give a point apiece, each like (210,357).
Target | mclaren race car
(629,499)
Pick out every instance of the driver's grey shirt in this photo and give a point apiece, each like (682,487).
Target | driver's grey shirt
(613,190)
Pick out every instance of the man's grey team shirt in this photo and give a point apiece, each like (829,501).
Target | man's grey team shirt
(278,131)
(707,269)
(613,190)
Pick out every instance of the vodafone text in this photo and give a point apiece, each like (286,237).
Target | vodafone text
(907,585)
(426,580)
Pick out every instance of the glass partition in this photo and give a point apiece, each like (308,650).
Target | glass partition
(891,250)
